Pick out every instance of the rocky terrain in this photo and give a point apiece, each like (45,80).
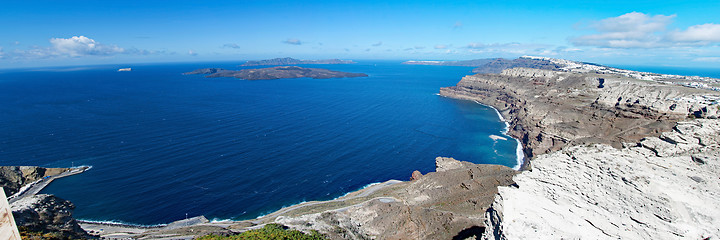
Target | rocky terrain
(615,154)
(548,110)
(12,178)
(292,61)
(664,187)
(47,214)
(276,73)
(41,213)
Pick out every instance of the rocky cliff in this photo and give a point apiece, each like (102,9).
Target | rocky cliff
(45,213)
(614,155)
(664,187)
(42,213)
(548,110)
(12,178)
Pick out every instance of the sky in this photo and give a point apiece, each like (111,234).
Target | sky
(642,33)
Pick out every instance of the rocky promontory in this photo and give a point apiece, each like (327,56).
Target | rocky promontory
(12,178)
(276,73)
(614,154)
(548,110)
(40,214)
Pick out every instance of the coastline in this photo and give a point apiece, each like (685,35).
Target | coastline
(520,157)
(35,187)
(521,163)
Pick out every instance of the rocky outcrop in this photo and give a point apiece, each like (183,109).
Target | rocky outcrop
(275,73)
(444,204)
(12,178)
(661,188)
(548,110)
(47,214)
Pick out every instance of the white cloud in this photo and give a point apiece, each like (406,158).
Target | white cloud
(457,25)
(81,46)
(639,30)
(440,46)
(707,59)
(292,41)
(2,54)
(699,33)
(419,47)
(630,30)
(377,44)
(512,48)
(192,53)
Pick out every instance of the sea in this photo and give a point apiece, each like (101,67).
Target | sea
(163,145)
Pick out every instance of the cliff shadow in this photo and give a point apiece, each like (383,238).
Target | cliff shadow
(474,231)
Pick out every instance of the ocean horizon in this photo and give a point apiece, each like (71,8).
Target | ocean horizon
(163,145)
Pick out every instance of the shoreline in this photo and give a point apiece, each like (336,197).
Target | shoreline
(520,165)
(35,187)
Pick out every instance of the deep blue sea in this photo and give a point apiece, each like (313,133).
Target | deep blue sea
(163,144)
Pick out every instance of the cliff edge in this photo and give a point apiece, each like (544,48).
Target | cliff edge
(615,154)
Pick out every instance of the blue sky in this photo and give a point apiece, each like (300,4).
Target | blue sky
(660,33)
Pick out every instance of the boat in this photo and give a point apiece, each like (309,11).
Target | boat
(124,69)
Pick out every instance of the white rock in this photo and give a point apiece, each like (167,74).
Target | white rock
(599,192)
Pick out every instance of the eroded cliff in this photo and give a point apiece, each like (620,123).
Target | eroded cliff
(661,188)
(548,110)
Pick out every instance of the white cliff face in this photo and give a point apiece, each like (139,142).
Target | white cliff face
(661,188)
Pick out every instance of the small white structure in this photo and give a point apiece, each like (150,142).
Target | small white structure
(124,69)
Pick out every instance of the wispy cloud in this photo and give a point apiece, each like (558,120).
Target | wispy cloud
(192,53)
(377,44)
(419,47)
(639,30)
(75,47)
(441,46)
(2,54)
(707,59)
(230,45)
(457,25)
(293,41)
(512,48)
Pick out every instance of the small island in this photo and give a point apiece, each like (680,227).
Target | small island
(275,73)
(292,61)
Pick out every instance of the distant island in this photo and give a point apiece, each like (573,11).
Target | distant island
(492,65)
(292,61)
(466,63)
(275,73)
